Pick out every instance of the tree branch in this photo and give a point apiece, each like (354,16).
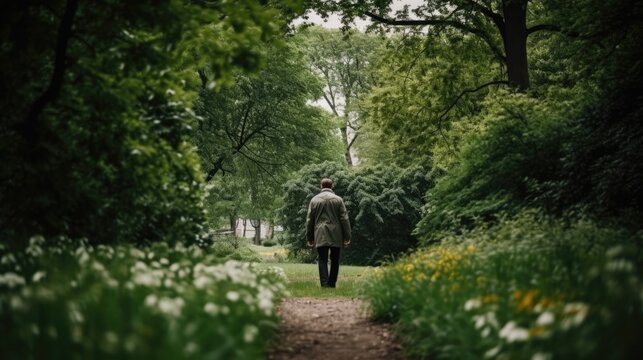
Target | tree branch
(442,22)
(351,143)
(490,14)
(468,91)
(30,124)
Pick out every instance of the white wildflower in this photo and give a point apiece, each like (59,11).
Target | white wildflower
(170,306)
(211,308)
(232,296)
(479,320)
(8,259)
(546,318)
(575,314)
(512,333)
(201,282)
(249,333)
(491,353)
(11,280)
(151,300)
(541,356)
(472,304)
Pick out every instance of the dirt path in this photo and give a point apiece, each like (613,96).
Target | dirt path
(334,329)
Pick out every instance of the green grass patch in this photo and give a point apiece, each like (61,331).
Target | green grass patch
(303,280)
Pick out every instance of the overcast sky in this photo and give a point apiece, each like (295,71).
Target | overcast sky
(333,22)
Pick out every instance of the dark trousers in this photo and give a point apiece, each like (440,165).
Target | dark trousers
(325,279)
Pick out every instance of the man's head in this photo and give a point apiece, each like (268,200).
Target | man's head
(327,183)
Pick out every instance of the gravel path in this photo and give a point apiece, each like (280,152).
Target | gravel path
(333,329)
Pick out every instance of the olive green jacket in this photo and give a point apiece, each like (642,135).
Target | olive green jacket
(327,221)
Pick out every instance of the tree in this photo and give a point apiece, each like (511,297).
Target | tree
(415,110)
(265,119)
(343,63)
(95,112)
(501,25)
(258,130)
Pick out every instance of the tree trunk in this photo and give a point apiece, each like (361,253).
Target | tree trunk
(347,152)
(271,230)
(257,232)
(245,222)
(233,224)
(515,41)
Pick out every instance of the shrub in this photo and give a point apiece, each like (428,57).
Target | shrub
(527,288)
(69,301)
(383,204)
(504,168)
(268,243)
(233,248)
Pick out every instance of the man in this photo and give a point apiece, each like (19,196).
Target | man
(327,227)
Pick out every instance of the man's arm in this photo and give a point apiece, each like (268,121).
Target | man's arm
(346,225)
(310,225)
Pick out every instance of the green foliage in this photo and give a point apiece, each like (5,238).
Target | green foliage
(268,243)
(258,131)
(63,301)
(342,61)
(409,110)
(383,204)
(504,166)
(96,113)
(528,287)
(233,248)
(603,168)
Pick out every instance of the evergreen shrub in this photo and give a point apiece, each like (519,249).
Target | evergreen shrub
(383,204)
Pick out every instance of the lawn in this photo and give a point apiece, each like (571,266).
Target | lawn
(303,280)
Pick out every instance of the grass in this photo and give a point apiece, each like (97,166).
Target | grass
(269,254)
(303,280)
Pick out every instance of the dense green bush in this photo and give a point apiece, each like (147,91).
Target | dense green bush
(603,167)
(503,167)
(268,243)
(383,204)
(65,301)
(528,288)
(233,248)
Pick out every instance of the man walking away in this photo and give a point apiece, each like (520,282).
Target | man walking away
(327,227)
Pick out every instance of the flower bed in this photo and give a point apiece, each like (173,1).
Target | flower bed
(70,301)
(527,289)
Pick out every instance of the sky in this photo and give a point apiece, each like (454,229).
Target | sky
(333,22)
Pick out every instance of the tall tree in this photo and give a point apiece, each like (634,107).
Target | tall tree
(265,119)
(342,62)
(258,130)
(501,24)
(95,113)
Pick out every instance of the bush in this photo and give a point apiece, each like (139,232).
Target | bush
(68,301)
(527,288)
(268,243)
(233,248)
(383,204)
(503,168)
